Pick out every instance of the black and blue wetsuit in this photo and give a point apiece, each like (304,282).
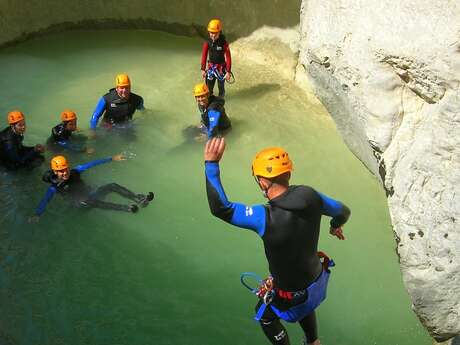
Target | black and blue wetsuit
(214,117)
(116,109)
(289,226)
(60,136)
(81,194)
(14,155)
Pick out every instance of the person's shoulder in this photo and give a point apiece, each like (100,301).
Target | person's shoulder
(216,101)
(307,191)
(111,92)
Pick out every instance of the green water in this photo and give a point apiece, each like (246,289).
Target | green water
(170,274)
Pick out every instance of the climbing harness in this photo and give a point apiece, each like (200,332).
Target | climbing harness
(214,71)
(265,289)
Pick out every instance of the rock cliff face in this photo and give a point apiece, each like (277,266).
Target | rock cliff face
(389,74)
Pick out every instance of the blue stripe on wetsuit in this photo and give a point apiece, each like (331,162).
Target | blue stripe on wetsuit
(213,117)
(335,209)
(243,216)
(46,199)
(100,107)
(82,167)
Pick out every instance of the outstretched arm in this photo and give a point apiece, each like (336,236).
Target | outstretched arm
(243,216)
(46,199)
(100,107)
(82,167)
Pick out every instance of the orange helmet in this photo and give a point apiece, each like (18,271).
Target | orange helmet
(271,162)
(59,163)
(122,80)
(200,90)
(215,25)
(68,115)
(15,116)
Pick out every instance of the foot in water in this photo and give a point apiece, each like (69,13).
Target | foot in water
(144,199)
(133,208)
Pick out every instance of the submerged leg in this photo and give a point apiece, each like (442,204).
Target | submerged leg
(272,327)
(308,324)
(141,199)
(95,203)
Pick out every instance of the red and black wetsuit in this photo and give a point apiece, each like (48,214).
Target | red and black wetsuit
(219,58)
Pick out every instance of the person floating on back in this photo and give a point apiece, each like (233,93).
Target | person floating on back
(62,133)
(118,105)
(289,226)
(213,117)
(219,64)
(13,154)
(68,182)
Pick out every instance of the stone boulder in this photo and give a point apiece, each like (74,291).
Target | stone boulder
(388,72)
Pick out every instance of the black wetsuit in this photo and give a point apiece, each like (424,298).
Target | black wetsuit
(116,109)
(14,155)
(81,194)
(289,226)
(60,137)
(214,117)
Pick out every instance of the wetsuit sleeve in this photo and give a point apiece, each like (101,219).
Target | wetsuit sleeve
(247,217)
(100,107)
(335,209)
(213,116)
(140,106)
(46,199)
(71,146)
(86,166)
(204,55)
(228,57)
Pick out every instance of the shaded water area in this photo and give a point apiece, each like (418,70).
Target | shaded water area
(170,274)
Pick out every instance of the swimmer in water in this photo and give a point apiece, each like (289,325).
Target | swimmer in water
(117,106)
(13,154)
(213,116)
(62,133)
(68,182)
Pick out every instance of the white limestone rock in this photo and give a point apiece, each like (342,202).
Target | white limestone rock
(388,72)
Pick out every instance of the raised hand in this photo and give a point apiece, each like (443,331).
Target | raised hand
(119,157)
(214,149)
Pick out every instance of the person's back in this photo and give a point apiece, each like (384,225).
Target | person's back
(291,237)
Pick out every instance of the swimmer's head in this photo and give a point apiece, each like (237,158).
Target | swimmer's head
(214,29)
(17,121)
(70,120)
(201,93)
(60,167)
(123,85)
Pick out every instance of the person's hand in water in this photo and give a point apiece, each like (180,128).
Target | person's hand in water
(92,134)
(90,150)
(337,232)
(214,149)
(33,219)
(119,157)
(39,148)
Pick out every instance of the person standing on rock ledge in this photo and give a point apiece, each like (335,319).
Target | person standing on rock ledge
(219,64)
(289,226)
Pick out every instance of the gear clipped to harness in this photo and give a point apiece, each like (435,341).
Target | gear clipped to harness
(264,290)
